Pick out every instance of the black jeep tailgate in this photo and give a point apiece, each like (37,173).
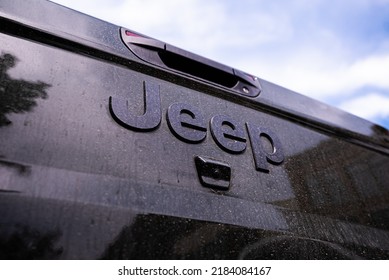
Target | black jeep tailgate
(116,145)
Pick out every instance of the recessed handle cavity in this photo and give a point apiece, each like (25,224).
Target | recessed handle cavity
(176,59)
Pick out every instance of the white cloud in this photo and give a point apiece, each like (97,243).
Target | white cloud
(322,76)
(205,27)
(370,106)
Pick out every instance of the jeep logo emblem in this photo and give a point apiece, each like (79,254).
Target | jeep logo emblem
(187,123)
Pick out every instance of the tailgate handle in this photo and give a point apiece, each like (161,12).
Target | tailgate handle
(178,60)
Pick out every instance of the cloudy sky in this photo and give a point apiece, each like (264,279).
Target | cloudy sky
(336,51)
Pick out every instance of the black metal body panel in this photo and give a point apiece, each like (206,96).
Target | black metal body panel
(87,171)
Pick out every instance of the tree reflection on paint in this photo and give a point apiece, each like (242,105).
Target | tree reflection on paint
(29,244)
(17,95)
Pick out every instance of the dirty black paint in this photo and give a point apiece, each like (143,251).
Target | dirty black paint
(83,178)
